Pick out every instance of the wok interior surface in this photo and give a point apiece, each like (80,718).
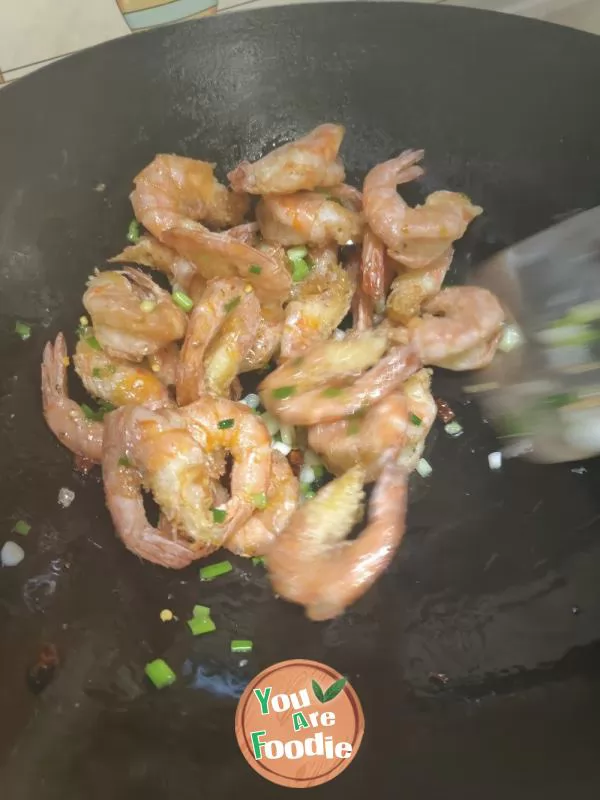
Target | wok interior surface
(476,656)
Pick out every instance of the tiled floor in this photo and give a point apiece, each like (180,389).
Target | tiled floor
(36,32)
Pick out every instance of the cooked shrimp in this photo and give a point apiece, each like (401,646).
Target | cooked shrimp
(422,412)
(478,357)
(177,470)
(306,163)
(257,535)
(132,316)
(313,564)
(413,287)
(364,440)
(221,330)
(328,383)
(414,236)
(115,380)
(218,255)
(149,252)
(349,196)
(173,186)
(307,218)
(267,339)
(164,363)
(64,416)
(223,425)
(320,303)
(456,320)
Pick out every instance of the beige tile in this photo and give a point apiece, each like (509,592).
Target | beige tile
(35,30)
(246,5)
(584,15)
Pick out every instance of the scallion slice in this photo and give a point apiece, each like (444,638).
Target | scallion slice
(21,527)
(133,232)
(295,253)
(300,270)
(219,515)
(200,625)
(258,561)
(160,673)
(183,300)
(214,570)
(424,468)
(241,646)
(260,500)
(225,423)
(414,419)
(23,330)
(255,269)
(333,391)
(201,611)
(454,428)
(232,304)
(283,391)
(124,462)
(93,342)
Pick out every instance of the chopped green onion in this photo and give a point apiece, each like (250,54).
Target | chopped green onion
(287,434)
(271,424)
(225,423)
(23,330)
(282,447)
(353,427)
(319,471)
(414,419)
(21,527)
(283,392)
(214,570)
(424,468)
(201,625)
(232,304)
(251,400)
(307,475)
(495,460)
(160,673)
(255,269)
(300,270)
(201,611)
(295,253)
(147,306)
(124,462)
(258,561)
(260,500)
(94,416)
(454,428)
(133,232)
(306,488)
(93,342)
(308,495)
(333,391)
(241,646)
(585,312)
(183,300)
(219,515)
(96,372)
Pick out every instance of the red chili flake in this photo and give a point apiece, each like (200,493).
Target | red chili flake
(42,672)
(296,459)
(445,413)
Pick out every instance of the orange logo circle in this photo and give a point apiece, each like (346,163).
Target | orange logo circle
(299,723)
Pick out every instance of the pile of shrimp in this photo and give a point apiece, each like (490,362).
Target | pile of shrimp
(268,296)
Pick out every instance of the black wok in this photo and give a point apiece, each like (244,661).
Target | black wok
(476,656)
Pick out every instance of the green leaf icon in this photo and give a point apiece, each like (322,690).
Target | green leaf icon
(318,692)
(334,689)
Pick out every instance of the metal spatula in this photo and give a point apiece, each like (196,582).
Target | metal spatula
(544,394)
